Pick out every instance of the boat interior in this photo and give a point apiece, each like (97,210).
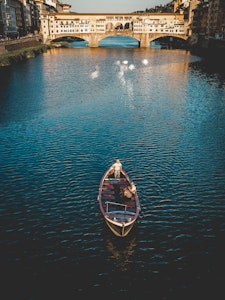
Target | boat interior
(113,197)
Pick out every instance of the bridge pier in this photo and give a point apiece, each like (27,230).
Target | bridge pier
(93,40)
(144,41)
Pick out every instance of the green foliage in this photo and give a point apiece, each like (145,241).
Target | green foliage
(13,57)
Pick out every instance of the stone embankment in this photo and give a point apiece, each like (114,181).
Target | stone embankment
(13,51)
(17,44)
(210,49)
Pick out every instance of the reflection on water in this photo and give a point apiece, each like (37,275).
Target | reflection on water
(121,250)
(64,117)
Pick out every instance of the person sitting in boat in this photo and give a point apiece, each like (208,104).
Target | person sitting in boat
(132,188)
(127,193)
(117,168)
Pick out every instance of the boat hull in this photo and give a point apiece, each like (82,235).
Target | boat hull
(119,229)
(119,212)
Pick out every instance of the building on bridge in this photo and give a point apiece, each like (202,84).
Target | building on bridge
(145,27)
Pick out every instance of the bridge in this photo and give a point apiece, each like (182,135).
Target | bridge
(144,27)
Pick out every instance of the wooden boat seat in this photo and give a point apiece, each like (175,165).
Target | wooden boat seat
(108,184)
(108,188)
(108,197)
(122,180)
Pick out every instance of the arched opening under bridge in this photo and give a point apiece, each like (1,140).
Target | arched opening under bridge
(121,41)
(71,41)
(168,42)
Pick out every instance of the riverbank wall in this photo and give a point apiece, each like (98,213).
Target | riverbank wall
(21,43)
(14,51)
(211,49)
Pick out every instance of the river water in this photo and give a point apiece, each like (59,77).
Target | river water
(64,117)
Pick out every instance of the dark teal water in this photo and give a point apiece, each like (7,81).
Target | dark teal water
(64,117)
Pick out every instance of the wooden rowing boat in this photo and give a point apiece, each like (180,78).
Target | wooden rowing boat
(119,212)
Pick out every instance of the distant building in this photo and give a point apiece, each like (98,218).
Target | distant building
(205,17)
(216,19)
(9,11)
(18,17)
(199,23)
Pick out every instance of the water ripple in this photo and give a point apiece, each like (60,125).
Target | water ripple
(165,121)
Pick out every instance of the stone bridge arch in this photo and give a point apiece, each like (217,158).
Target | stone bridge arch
(144,39)
(154,36)
(93,39)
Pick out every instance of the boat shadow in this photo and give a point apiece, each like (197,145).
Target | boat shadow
(121,250)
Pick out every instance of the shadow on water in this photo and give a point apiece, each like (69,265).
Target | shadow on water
(210,67)
(120,250)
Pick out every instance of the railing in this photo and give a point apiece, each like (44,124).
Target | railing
(116,204)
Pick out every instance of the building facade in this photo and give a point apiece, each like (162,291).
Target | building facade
(18,18)
(98,26)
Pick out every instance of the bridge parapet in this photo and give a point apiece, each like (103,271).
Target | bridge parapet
(94,27)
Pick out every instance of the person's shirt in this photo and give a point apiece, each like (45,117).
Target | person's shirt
(117,166)
(133,189)
(127,193)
